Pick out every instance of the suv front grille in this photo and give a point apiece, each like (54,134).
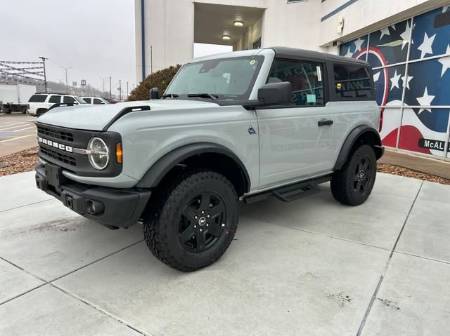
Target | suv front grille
(58,156)
(56,134)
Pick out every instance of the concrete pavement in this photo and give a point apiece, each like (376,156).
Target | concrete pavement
(310,267)
(17,132)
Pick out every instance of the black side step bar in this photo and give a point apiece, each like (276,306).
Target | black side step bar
(290,192)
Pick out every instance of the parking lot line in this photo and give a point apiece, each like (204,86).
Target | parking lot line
(13,126)
(22,129)
(17,138)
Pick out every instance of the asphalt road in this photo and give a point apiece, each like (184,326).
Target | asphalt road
(17,132)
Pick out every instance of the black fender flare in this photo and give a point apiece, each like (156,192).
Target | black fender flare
(354,135)
(160,168)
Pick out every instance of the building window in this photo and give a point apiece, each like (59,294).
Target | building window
(411,69)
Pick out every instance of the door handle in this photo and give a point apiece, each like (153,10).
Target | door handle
(325,122)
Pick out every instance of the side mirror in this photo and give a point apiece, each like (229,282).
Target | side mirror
(276,93)
(154,93)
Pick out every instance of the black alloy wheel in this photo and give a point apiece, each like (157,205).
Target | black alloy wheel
(202,222)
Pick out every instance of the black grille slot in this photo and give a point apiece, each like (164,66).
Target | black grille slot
(56,134)
(58,156)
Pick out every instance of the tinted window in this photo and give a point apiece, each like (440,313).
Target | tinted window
(306,79)
(68,100)
(87,100)
(98,101)
(55,99)
(352,81)
(37,98)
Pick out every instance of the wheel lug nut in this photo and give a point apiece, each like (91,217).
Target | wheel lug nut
(208,216)
(223,224)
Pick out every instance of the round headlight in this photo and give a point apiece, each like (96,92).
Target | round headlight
(98,153)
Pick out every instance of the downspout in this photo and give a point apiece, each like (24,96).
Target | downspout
(143,37)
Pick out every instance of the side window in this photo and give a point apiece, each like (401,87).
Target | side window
(306,79)
(68,100)
(352,82)
(55,99)
(98,101)
(87,100)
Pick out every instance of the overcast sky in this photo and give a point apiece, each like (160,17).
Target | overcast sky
(95,39)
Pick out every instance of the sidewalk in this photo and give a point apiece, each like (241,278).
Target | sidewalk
(421,164)
(310,267)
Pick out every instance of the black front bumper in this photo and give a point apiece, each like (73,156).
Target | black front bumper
(108,206)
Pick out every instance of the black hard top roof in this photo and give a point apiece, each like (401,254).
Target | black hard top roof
(285,52)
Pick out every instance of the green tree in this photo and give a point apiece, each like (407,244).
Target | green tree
(159,79)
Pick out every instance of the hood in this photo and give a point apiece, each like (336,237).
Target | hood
(96,117)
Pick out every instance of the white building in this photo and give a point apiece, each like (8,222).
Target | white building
(407,43)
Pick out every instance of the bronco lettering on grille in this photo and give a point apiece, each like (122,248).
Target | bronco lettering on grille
(55,144)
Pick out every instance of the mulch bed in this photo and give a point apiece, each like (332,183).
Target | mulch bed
(26,161)
(396,170)
(18,162)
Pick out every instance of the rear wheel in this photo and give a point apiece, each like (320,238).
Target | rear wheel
(353,184)
(195,221)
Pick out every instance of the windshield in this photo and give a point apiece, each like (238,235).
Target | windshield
(223,78)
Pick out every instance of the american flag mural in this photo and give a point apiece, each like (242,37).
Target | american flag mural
(411,66)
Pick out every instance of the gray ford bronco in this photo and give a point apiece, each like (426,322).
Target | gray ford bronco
(236,127)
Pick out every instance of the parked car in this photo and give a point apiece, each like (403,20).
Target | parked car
(242,126)
(41,102)
(95,100)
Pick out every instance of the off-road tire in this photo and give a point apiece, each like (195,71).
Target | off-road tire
(344,183)
(161,224)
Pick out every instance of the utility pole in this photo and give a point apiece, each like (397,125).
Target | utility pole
(110,95)
(67,82)
(127,89)
(45,73)
(120,90)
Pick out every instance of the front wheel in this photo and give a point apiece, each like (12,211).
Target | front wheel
(353,184)
(195,222)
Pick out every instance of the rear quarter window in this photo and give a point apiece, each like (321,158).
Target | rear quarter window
(37,98)
(352,82)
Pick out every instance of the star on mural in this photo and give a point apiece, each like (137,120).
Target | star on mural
(349,53)
(425,100)
(385,31)
(427,45)
(406,80)
(358,44)
(405,35)
(395,81)
(445,61)
(376,76)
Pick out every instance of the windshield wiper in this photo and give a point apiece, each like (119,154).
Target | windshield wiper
(203,95)
(170,95)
